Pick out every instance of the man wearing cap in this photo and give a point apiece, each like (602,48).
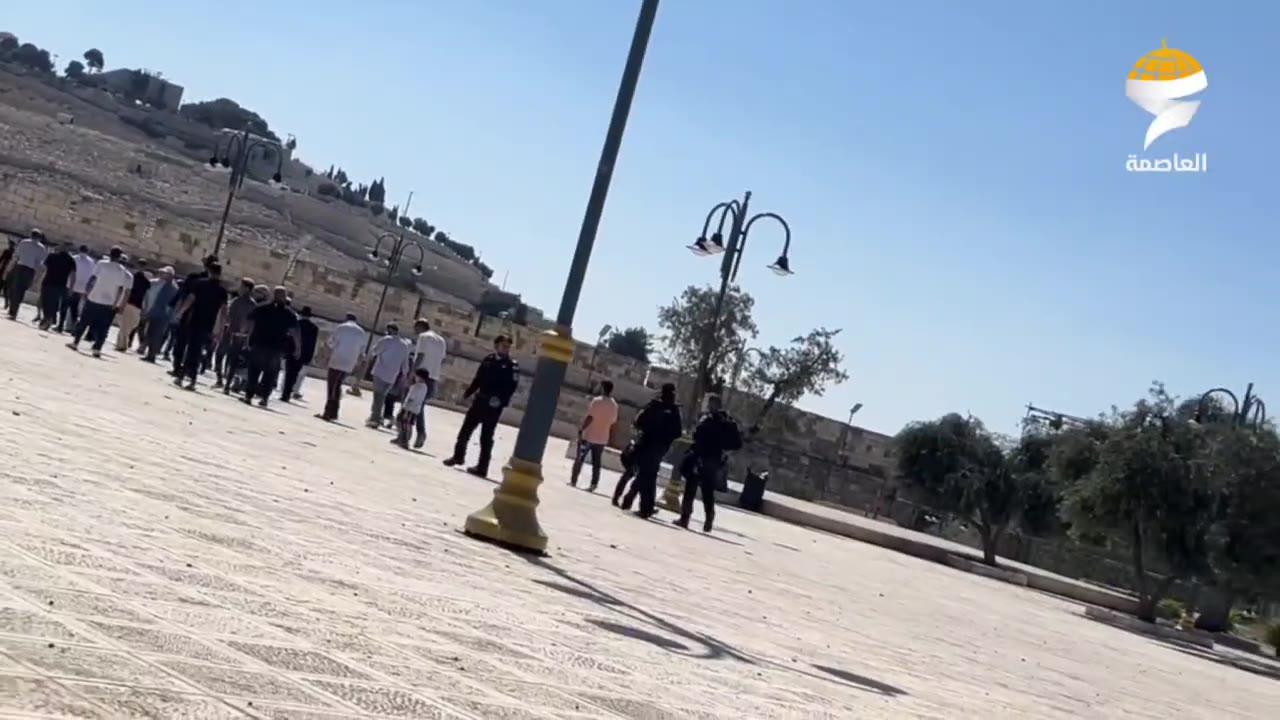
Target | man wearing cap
(28,257)
(106,294)
(157,309)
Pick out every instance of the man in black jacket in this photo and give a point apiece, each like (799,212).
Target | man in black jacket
(715,436)
(657,426)
(490,391)
(308,332)
(180,327)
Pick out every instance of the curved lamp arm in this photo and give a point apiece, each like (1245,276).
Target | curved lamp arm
(1204,399)
(781,266)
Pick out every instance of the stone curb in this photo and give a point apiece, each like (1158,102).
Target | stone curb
(1128,622)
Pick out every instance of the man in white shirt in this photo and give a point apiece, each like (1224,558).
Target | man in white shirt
(429,351)
(79,284)
(106,293)
(390,357)
(346,344)
(28,257)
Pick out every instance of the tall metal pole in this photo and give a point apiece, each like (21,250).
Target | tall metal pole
(511,518)
(727,266)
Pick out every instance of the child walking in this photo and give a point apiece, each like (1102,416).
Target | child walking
(415,400)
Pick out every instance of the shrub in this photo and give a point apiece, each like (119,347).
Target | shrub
(328,189)
(377,208)
(1273,637)
(1170,609)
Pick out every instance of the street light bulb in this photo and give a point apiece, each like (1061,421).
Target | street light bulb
(373,254)
(716,244)
(417,269)
(276,178)
(213,162)
(781,266)
(699,247)
(226,162)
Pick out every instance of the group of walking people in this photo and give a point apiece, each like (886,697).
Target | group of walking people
(658,425)
(250,336)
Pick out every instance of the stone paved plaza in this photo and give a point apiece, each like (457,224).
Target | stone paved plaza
(165,554)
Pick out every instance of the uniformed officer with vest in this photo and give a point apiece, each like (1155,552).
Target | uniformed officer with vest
(490,391)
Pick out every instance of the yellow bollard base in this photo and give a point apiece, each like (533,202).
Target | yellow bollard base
(672,495)
(511,518)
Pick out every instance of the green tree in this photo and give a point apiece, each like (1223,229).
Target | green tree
(405,222)
(8,44)
(378,191)
(226,113)
(963,469)
(377,208)
(807,367)
(687,319)
(485,271)
(394,213)
(423,228)
(633,342)
(341,177)
(75,70)
(32,57)
(1143,478)
(93,58)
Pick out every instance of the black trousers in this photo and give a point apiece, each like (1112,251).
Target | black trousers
(193,353)
(333,393)
(227,357)
(595,452)
(648,462)
(94,321)
(480,415)
(70,309)
(179,347)
(19,283)
(292,369)
(51,299)
(264,365)
(700,476)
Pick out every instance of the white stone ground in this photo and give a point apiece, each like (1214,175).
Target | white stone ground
(173,555)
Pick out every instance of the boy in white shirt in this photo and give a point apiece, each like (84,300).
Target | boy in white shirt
(415,401)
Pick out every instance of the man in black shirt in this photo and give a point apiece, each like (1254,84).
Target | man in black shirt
(273,331)
(490,391)
(715,436)
(178,346)
(201,314)
(131,315)
(308,332)
(58,267)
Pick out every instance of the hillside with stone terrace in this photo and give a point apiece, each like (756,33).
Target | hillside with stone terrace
(106,157)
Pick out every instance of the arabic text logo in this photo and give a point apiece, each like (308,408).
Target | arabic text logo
(1157,84)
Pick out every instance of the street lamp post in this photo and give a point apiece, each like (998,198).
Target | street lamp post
(511,518)
(399,244)
(844,435)
(737,369)
(233,153)
(1249,411)
(733,213)
(591,367)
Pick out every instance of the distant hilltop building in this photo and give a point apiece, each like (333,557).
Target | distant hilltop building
(142,86)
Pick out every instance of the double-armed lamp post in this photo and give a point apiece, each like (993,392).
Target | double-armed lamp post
(733,213)
(511,519)
(233,154)
(1250,411)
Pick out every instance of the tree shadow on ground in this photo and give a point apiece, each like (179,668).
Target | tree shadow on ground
(691,644)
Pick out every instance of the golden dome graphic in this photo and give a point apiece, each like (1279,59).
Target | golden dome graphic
(1164,65)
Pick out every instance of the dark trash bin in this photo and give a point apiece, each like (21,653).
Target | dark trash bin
(752,497)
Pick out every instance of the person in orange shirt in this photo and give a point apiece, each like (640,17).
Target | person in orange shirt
(593,436)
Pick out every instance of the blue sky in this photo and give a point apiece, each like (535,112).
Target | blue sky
(953,172)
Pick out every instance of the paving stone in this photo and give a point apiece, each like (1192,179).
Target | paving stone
(131,702)
(162,642)
(44,697)
(73,661)
(269,564)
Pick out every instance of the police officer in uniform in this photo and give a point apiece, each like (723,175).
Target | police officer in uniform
(715,436)
(490,391)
